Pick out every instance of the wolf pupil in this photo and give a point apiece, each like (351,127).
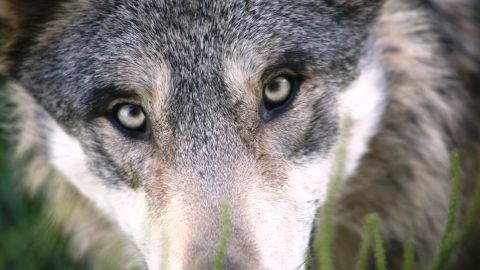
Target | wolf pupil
(274,86)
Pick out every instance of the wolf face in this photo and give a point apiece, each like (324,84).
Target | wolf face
(164,113)
(160,112)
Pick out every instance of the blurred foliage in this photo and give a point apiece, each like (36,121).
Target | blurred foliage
(29,239)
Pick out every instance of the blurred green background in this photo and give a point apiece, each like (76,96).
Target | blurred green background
(28,238)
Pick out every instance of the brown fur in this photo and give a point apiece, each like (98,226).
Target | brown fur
(408,184)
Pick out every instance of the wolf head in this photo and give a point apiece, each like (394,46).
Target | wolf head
(160,112)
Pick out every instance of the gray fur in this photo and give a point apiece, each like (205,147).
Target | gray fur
(207,140)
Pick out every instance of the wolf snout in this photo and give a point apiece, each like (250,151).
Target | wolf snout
(232,252)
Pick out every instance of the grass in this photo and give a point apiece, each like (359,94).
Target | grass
(444,249)
(408,256)
(371,232)
(223,245)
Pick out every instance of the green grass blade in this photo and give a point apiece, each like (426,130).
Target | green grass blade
(373,222)
(324,238)
(364,252)
(472,218)
(372,231)
(408,256)
(446,245)
(223,245)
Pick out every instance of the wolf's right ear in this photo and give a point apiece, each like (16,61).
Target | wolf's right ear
(18,14)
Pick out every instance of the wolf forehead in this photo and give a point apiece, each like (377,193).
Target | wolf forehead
(120,43)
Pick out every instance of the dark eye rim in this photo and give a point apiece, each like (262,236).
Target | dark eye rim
(142,132)
(270,111)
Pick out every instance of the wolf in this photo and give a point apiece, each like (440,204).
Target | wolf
(149,120)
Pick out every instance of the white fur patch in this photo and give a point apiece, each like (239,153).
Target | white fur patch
(127,207)
(363,102)
(308,184)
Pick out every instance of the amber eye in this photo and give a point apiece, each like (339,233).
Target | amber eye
(130,117)
(278,94)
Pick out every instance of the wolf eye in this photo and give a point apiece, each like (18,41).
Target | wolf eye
(277,91)
(130,117)
(278,94)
